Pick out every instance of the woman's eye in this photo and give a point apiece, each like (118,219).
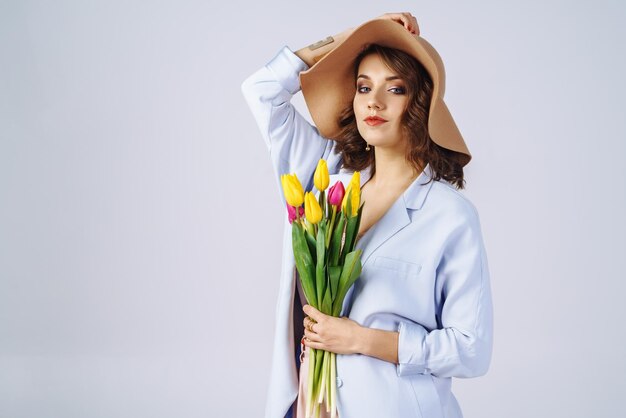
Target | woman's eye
(395,90)
(398,90)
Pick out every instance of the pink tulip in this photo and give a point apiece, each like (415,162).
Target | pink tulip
(336,193)
(292,212)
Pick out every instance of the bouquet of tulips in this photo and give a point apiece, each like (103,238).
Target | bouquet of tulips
(323,246)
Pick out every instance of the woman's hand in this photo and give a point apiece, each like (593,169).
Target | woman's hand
(332,334)
(406,19)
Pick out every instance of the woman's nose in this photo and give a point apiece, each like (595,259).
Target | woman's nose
(373,104)
(374,101)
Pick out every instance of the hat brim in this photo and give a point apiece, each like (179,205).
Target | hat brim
(329,86)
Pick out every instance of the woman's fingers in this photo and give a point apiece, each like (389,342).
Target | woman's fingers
(406,19)
(311,336)
(313,313)
(308,323)
(416,28)
(308,334)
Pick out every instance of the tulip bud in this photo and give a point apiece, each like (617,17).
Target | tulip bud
(355,196)
(321,178)
(292,212)
(336,194)
(312,208)
(292,189)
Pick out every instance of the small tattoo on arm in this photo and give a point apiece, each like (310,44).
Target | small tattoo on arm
(321,43)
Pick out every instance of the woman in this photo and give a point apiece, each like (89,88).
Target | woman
(421,311)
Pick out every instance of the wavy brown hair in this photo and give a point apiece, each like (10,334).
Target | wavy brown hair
(422,149)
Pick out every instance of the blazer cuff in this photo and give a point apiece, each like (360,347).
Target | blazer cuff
(411,349)
(286,67)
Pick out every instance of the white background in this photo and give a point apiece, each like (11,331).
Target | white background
(140,225)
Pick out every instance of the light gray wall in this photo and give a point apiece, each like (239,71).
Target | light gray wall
(140,224)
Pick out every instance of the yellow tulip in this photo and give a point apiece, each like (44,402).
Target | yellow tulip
(355,198)
(294,194)
(320,178)
(312,209)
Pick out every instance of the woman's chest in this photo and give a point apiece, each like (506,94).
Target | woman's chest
(375,205)
(399,278)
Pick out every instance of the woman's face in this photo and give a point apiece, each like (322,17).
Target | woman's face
(380,94)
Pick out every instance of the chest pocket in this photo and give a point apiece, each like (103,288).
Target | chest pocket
(400,267)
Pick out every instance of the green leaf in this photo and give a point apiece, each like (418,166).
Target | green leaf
(351,232)
(327,302)
(334,272)
(356,228)
(304,263)
(351,271)
(310,240)
(335,243)
(320,268)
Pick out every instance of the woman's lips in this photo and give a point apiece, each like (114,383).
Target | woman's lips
(374,121)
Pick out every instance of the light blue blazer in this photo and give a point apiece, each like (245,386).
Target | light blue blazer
(425,275)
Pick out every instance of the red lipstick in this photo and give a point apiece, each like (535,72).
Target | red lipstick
(374,120)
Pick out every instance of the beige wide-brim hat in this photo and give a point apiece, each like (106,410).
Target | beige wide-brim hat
(329,86)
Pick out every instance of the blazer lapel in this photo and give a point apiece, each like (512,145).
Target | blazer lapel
(392,221)
(397,216)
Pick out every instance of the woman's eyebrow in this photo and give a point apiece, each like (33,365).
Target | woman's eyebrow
(392,77)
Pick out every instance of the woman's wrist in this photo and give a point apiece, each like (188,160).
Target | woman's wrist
(379,343)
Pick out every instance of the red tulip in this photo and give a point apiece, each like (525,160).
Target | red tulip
(292,212)
(336,193)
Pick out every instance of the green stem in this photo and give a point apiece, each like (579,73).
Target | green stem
(329,381)
(331,226)
(324,378)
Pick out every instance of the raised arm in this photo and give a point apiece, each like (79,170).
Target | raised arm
(295,146)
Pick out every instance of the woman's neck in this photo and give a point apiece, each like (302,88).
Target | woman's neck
(392,170)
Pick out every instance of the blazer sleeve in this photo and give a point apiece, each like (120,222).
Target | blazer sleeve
(463,345)
(295,146)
